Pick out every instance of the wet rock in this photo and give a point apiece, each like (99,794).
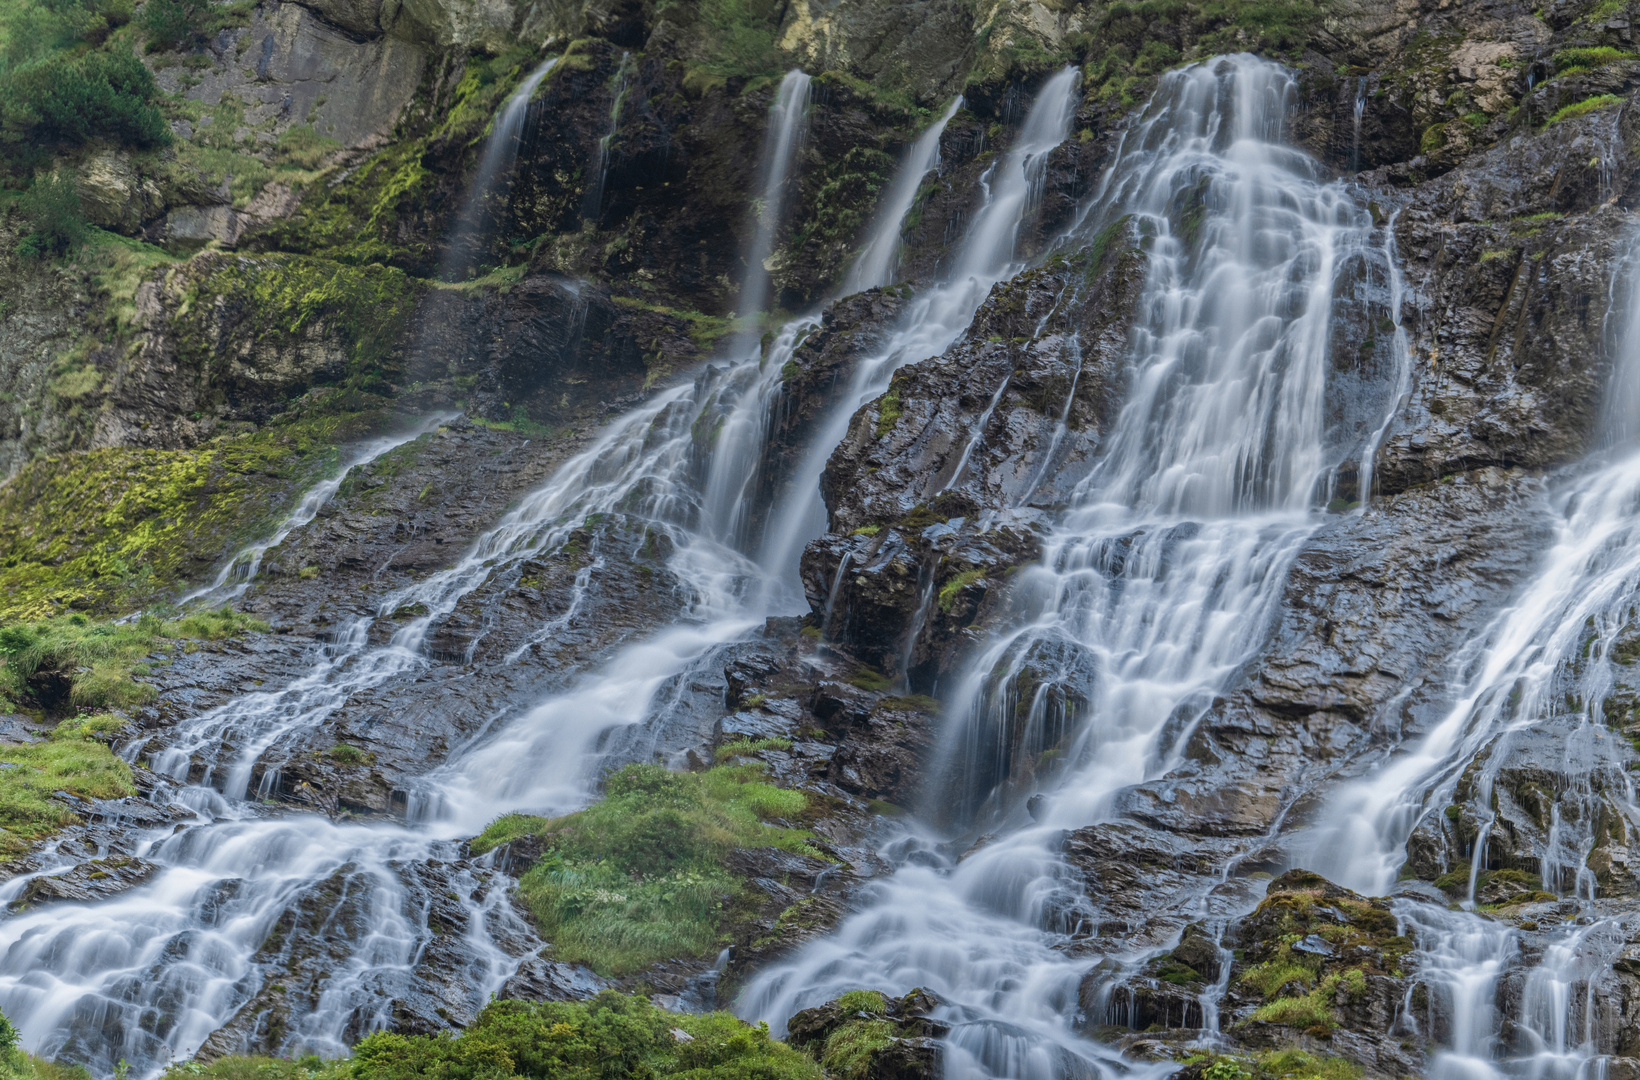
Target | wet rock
(911,1051)
(93,880)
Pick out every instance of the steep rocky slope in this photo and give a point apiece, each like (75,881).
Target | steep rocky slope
(285,278)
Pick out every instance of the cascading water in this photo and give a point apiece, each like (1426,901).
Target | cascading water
(936,317)
(592,205)
(462,250)
(876,263)
(1543,670)
(148,975)
(1154,585)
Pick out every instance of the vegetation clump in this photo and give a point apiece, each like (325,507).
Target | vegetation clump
(611,1037)
(1584,107)
(92,664)
(638,876)
(114,529)
(33,774)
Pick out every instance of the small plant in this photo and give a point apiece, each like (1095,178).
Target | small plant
(638,876)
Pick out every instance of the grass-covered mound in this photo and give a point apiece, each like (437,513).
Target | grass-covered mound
(76,661)
(32,774)
(638,876)
(611,1037)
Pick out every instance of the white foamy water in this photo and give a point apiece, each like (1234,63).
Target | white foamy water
(1155,586)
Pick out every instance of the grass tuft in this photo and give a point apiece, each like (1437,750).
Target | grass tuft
(638,876)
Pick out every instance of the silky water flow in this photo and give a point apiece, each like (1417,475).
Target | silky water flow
(1154,583)
(149,975)
(1537,682)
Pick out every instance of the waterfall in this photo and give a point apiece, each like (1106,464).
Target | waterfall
(237,574)
(786,124)
(463,249)
(592,205)
(937,316)
(877,260)
(1542,668)
(1154,588)
(149,974)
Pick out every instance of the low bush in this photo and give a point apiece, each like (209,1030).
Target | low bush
(72,97)
(51,206)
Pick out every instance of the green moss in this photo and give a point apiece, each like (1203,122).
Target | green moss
(950,590)
(113,529)
(889,411)
(638,876)
(866,530)
(1584,107)
(282,298)
(611,1037)
(1596,56)
(870,679)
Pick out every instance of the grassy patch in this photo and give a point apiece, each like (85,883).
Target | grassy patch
(31,775)
(851,1050)
(1597,56)
(748,747)
(949,591)
(870,679)
(638,877)
(1299,1065)
(889,411)
(97,660)
(1584,107)
(611,1037)
(1311,1012)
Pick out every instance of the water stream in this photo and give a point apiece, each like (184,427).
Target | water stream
(1154,583)
(150,974)
(1536,682)
(240,571)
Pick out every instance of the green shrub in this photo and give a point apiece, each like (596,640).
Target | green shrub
(51,206)
(638,877)
(611,1037)
(71,98)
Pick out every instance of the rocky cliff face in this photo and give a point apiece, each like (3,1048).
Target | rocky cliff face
(285,279)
